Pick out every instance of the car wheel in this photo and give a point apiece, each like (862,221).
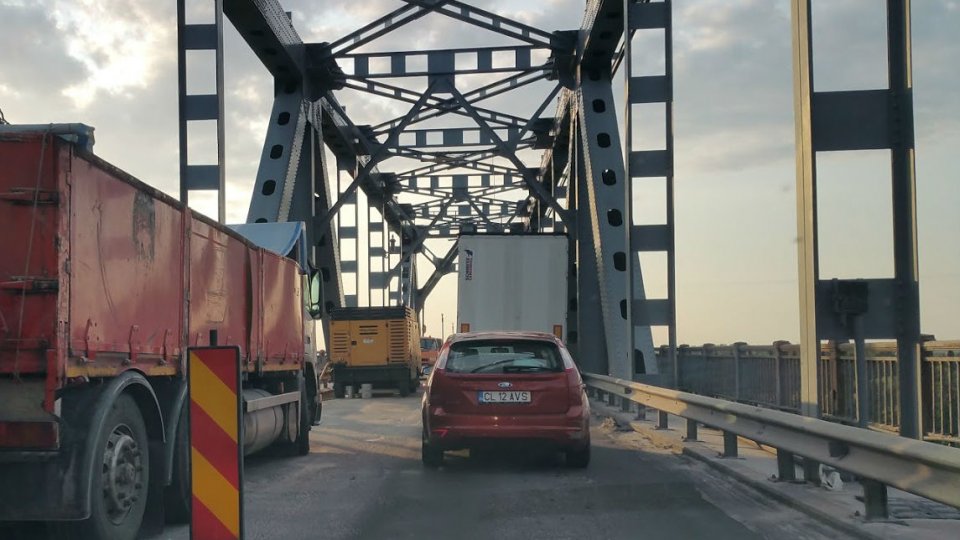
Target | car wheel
(579,458)
(430,455)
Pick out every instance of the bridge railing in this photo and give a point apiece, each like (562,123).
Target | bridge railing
(878,459)
(769,375)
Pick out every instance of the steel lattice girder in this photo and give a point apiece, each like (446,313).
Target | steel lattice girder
(607,209)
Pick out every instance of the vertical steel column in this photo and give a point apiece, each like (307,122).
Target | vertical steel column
(370,257)
(592,346)
(650,89)
(906,268)
(603,210)
(808,263)
(854,120)
(199,107)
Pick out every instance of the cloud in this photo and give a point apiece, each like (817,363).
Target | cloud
(119,43)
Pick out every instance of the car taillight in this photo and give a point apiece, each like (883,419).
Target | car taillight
(437,390)
(574,388)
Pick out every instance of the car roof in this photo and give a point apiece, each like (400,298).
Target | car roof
(472,336)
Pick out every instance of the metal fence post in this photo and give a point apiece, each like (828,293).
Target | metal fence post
(691,430)
(786,468)
(730,449)
(811,471)
(663,420)
(625,404)
(875,499)
(777,360)
(736,371)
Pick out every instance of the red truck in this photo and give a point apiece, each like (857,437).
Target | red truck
(104,284)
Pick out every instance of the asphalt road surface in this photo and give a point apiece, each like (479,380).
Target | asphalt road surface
(363,480)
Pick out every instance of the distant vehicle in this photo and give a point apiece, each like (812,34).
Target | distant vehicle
(429,350)
(498,387)
(375,345)
(512,283)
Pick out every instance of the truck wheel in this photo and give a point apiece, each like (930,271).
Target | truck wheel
(338,391)
(403,385)
(306,421)
(118,495)
(176,496)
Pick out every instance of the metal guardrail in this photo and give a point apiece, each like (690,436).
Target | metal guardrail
(923,468)
(769,375)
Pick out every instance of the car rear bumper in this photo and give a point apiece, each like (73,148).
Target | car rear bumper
(453,431)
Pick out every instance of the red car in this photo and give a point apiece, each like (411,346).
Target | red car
(497,387)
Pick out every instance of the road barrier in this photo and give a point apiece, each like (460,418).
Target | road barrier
(923,468)
(769,375)
(216,452)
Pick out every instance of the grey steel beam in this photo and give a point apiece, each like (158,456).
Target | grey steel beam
(442,268)
(417,242)
(201,107)
(591,340)
(643,164)
(490,21)
(277,174)
(382,26)
(606,209)
(267,29)
(325,248)
(848,121)
(904,193)
(807,259)
(454,137)
(440,107)
(535,187)
(375,158)
(483,56)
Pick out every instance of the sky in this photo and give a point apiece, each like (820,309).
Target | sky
(112,64)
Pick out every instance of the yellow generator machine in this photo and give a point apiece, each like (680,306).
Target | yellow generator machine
(375,345)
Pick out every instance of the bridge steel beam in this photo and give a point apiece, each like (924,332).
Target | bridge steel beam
(201,107)
(651,166)
(861,309)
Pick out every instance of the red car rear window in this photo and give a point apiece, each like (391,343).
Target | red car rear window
(503,356)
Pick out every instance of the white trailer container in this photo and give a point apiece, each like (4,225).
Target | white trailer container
(512,282)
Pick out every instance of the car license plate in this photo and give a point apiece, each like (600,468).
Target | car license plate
(497,396)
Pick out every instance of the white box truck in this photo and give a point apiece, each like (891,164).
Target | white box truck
(512,282)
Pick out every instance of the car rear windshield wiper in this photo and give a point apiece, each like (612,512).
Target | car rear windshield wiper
(526,368)
(492,364)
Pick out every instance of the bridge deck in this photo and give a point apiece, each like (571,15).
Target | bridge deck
(363,479)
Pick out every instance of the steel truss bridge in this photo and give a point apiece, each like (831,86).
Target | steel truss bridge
(452,164)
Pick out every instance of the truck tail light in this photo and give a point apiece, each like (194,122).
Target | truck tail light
(39,435)
(558,331)
(464,327)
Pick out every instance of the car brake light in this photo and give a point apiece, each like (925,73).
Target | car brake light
(464,327)
(558,331)
(574,388)
(436,397)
